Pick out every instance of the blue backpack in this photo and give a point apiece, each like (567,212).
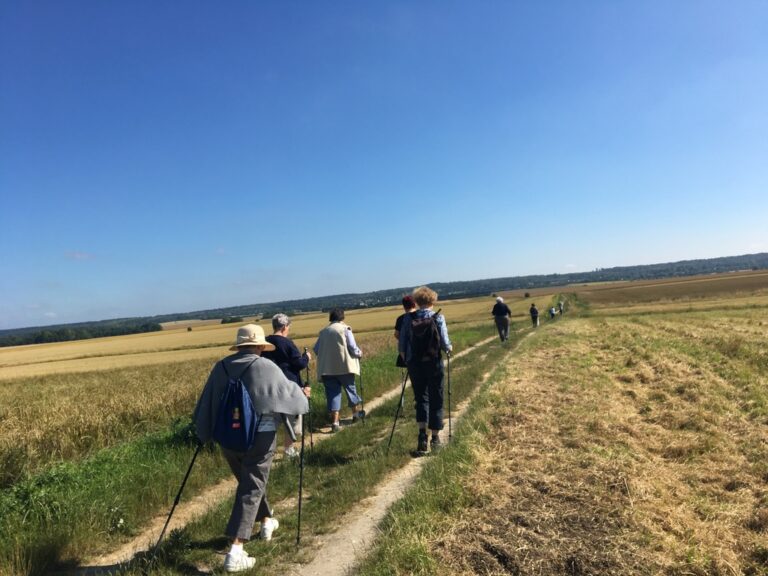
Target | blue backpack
(237,422)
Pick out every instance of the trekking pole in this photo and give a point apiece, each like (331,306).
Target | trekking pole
(450,431)
(301,482)
(362,404)
(176,501)
(311,438)
(397,412)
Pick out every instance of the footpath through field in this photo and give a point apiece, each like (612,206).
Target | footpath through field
(340,551)
(196,507)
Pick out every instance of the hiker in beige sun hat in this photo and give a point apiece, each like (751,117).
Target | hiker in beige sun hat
(252,335)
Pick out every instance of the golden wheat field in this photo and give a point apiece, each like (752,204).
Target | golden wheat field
(204,342)
(62,401)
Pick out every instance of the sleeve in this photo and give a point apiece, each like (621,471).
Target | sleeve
(445,340)
(203,416)
(296,359)
(405,334)
(352,345)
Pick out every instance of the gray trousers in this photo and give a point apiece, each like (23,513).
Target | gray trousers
(252,472)
(502,325)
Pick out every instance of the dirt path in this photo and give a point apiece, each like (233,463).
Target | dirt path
(339,552)
(190,510)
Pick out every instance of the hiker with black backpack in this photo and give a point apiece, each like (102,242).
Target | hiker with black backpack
(534,312)
(245,398)
(423,336)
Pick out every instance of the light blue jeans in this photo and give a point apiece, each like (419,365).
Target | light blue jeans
(333,386)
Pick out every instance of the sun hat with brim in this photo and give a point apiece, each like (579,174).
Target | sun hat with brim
(252,335)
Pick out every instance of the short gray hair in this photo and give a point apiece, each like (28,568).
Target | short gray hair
(280,321)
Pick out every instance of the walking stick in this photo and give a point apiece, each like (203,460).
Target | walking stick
(301,481)
(176,501)
(450,431)
(311,438)
(362,403)
(397,412)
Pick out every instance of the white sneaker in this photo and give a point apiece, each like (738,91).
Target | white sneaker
(291,452)
(267,527)
(237,562)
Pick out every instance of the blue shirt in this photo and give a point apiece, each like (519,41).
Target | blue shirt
(404,346)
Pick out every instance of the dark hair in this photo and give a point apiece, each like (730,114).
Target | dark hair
(408,302)
(336,315)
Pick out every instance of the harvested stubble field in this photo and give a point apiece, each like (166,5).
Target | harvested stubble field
(735,287)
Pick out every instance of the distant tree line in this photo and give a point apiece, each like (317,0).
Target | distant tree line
(66,333)
(392,296)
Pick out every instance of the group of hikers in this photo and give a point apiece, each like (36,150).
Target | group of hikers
(502,314)
(268,371)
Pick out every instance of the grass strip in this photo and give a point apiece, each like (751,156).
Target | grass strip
(431,504)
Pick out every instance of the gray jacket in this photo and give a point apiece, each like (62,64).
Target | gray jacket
(271,392)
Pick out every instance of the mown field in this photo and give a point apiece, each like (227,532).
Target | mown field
(606,444)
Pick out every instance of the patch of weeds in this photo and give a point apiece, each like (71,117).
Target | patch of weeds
(760,557)
(688,391)
(731,347)
(759,521)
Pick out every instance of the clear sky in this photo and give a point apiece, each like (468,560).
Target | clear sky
(160,157)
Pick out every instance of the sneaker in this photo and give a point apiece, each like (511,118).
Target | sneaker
(436,444)
(291,452)
(238,562)
(358,416)
(335,427)
(267,527)
(422,444)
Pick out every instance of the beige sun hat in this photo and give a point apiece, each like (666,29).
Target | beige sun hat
(252,335)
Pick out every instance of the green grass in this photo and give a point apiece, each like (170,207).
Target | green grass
(404,547)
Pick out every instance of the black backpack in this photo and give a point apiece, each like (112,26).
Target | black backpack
(425,338)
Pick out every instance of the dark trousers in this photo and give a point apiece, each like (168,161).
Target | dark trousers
(502,325)
(427,381)
(252,472)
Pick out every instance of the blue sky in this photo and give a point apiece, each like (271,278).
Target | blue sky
(160,157)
